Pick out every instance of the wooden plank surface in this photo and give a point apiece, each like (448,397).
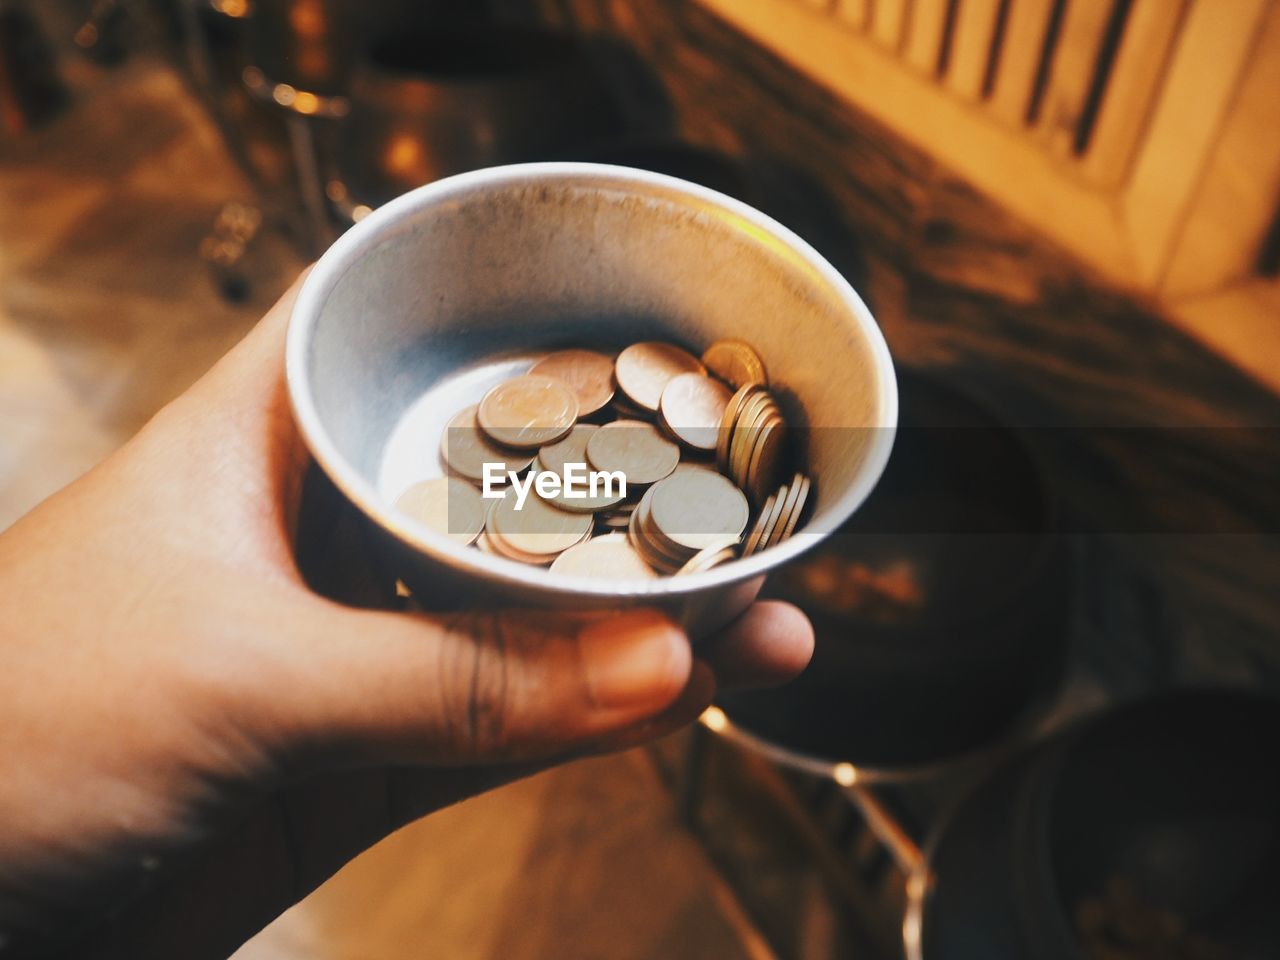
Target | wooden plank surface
(1187,121)
(856,13)
(925,35)
(1006,163)
(1019,59)
(888,22)
(975,28)
(1139,69)
(1072,73)
(1239,195)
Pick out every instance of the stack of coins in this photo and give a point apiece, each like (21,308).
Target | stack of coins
(752,445)
(686,513)
(699,441)
(537,533)
(779,516)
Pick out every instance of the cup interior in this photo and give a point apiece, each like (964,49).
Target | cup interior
(516,260)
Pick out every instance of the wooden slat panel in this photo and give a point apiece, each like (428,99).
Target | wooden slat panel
(1236,202)
(1002,162)
(856,13)
(1072,74)
(1019,59)
(1135,80)
(888,20)
(1205,72)
(971,46)
(924,34)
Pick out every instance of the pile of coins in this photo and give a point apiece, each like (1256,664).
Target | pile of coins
(702,443)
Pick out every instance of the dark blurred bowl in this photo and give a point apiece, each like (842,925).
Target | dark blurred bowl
(314,45)
(1157,824)
(941,608)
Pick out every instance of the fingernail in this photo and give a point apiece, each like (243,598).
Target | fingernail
(634,659)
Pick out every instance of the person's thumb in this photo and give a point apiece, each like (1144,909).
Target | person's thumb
(475,688)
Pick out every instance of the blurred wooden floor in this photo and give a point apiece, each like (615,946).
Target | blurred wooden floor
(106,310)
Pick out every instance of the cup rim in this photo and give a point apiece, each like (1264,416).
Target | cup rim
(349,248)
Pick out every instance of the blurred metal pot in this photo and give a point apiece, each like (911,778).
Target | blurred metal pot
(429,105)
(941,609)
(313,45)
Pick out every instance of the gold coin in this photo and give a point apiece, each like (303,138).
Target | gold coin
(537,528)
(779,499)
(735,362)
(587,503)
(641,539)
(528,411)
(788,507)
(637,449)
(499,547)
(710,556)
(755,413)
(684,466)
(729,422)
(769,458)
(793,519)
(667,553)
(465,449)
(611,557)
(757,531)
(643,369)
(695,508)
(446,505)
(692,407)
(759,411)
(572,448)
(587,373)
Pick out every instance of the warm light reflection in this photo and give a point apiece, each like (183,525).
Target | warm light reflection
(404,154)
(86,36)
(284,94)
(306,102)
(360,211)
(916,884)
(775,245)
(845,774)
(232,8)
(714,719)
(307,17)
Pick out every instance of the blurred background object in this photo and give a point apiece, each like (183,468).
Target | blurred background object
(1150,832)
(1064,216)
(941,606)
(30,91)
(433,103)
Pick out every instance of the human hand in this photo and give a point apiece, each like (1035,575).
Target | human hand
(192,739)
